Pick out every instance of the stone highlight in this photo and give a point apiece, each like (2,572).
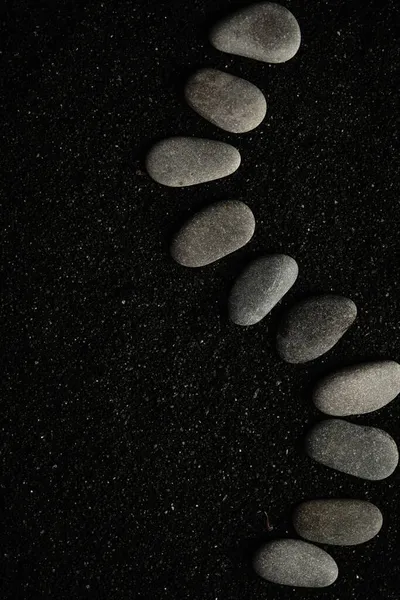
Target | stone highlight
(260,287)
(295,563)
(265,31)
(358,389)
(340,522)
(365,452)
(214,232)
(184,161)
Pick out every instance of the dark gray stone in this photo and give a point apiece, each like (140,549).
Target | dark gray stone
(260,287)
(230,102)
(365,452)
(339,522)
(213,233)
(358,389)
(314,326)
(295,563)
(264,31)
(182,161)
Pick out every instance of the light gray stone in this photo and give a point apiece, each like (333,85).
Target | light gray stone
(182,161)
(295,563)
(358,389)
(230,102)
(337,521)
(213,233)
(365,452)
(260,287)
(264,31)
(314,326)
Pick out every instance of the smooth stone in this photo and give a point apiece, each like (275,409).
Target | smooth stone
(265,31)
(182,161)
(358,389)
(365,452)
(230,102)
(260,287)
(213,233)
(295,563)
(314,326)
(339,522)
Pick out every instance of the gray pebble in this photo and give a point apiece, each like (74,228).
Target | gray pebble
(265,31)
(358,389)
(182,161)
(213,233)
(260,287)
(339,522)
(314,326)
(229,102)
(365,452)
(295,563)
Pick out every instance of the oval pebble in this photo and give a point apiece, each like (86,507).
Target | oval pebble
(314,326)
(230,102)
(260,287)
(264,31)
(337,521)
(365,452)
(183,161)
(213,233)
(358,389)
(295,563)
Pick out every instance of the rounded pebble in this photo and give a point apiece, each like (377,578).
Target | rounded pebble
(183,161)
(358,389)
(314,326)
(265,31)
(295,563)
(339,522)
(230,102)
(365,452)
(260,287)
(213,233)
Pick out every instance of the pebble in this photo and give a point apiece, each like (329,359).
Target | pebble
(260,287)
(182,161)
(295,563)
(264,31)
(213,233)
(314,326)
(339,522)
(365,452)
(230,102)
(358,389)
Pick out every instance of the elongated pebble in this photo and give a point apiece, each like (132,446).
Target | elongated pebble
(264,31)
(230,102)
(358,389)
(365,452)
(260,287)
(314,326)
(183,161)
(343,522)
(214,232)
(295,563)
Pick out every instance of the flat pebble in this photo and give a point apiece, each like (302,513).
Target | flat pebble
(295,563)
(358,389)
(213,233)
(264,31)
(365,452)
(260,287)
(182,161)
(314,326)
(337,521)
(230,102)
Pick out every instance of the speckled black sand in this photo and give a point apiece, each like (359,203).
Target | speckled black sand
(142,434)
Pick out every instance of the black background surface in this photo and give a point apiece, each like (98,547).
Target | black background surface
(143,436)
